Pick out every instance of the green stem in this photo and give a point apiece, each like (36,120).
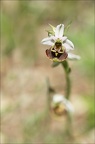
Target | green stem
(68,84)
(68,89)
(67,95)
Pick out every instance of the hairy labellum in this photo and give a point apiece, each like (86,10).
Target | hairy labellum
(60,56)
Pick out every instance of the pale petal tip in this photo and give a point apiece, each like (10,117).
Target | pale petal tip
(73,56)
(59,30)
(60,25)
(78,57)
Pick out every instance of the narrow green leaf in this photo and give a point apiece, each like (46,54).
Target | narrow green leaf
(50,32)
(53,28)
(68,26)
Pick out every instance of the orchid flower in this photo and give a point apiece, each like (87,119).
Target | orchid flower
(60,45)
(61,105)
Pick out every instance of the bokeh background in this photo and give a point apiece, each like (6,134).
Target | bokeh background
(25,69)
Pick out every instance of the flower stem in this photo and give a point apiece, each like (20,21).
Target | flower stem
(67,94)
(68,84)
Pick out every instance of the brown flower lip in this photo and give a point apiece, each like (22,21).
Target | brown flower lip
(58,55)
(59,110)
(56,52)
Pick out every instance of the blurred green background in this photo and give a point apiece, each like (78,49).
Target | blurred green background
(25,68)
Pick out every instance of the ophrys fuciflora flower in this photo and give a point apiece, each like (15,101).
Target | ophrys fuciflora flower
(60,45)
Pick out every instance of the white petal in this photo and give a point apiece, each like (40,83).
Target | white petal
(70,43)
(57,98)
(67,47)
(68,105)
(73,56)
(48,41)
(59,31)
(63,38)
